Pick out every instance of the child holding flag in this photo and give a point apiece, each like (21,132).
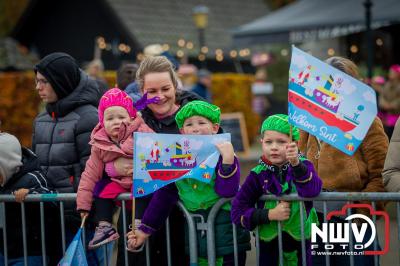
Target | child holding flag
(281,170)
(200,118)
(111,138)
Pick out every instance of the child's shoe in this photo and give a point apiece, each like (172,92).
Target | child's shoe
(104,234)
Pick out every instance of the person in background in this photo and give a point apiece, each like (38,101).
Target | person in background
(200,118)
(281,170)
(389,100)
(156,76)
(377,84)
(126,76)
(361,172)
(20,175)
(95,69)
(203,85)
(391,170)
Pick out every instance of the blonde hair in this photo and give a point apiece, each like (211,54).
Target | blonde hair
(345,65)
(155,64)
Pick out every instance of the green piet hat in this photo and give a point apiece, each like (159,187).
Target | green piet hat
(279,122)
(200,108)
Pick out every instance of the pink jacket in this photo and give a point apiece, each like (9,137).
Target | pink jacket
(104,151)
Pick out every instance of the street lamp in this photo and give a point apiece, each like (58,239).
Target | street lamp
(370,49)
(200,18)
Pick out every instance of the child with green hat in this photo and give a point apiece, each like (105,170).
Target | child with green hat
(280,170)
(200,118)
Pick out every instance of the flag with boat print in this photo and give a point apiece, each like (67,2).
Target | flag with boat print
(161,159)
(329,104)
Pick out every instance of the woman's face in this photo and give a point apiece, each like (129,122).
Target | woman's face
(160,85)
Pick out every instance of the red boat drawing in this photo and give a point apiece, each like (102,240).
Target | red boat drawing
(177,166)
(322,103)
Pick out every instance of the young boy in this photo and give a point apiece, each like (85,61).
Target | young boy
(200,118)
(20,174)
(280,171)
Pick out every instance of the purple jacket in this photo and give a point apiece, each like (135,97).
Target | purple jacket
(267,181)
(165,198)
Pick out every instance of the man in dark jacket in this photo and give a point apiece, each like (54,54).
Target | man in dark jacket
(20,174)
(61,133)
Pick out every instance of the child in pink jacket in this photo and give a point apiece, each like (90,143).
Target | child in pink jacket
(111,138)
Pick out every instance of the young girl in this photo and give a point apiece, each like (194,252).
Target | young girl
(280,171)
(200,118)
(111,138)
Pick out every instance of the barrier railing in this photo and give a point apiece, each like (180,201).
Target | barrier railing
(193,226)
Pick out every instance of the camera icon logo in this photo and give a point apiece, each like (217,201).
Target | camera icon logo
(337,235)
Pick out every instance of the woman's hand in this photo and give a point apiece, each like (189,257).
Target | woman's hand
(280,213)
(226,151)
(123,166)
(136,239)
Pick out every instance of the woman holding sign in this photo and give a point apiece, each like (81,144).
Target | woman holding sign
(361,172)
(156,77)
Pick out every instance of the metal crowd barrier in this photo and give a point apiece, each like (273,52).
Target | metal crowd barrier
(208,225)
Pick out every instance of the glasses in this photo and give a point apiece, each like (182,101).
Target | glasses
(41,82)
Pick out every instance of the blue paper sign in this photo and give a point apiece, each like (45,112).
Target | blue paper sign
(329,104)
(161,159)
(75,253)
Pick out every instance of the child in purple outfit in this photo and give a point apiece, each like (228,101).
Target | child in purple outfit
(200,118)
(280,171)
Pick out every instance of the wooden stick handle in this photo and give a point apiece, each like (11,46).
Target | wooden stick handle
(84,220)
(133,214)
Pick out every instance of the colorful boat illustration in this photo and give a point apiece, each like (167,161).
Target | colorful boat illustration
(178,165)
(323,103)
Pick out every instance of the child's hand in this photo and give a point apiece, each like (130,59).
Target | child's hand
(280,213)
(136,239)
(292,154)
(84,214)
(20,194)
(226,150)
(123,166)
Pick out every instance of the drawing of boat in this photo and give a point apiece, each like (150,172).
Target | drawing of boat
(178,165)
(323,103)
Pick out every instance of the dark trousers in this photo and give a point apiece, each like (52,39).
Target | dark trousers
(269,251)
(229,260)
(104,209)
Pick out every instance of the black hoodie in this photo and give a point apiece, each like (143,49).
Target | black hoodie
(30,177)
(73,87)
(62,71)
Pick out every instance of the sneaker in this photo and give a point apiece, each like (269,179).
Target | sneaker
(104,234)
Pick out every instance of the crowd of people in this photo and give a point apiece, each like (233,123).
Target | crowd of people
(83,142)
